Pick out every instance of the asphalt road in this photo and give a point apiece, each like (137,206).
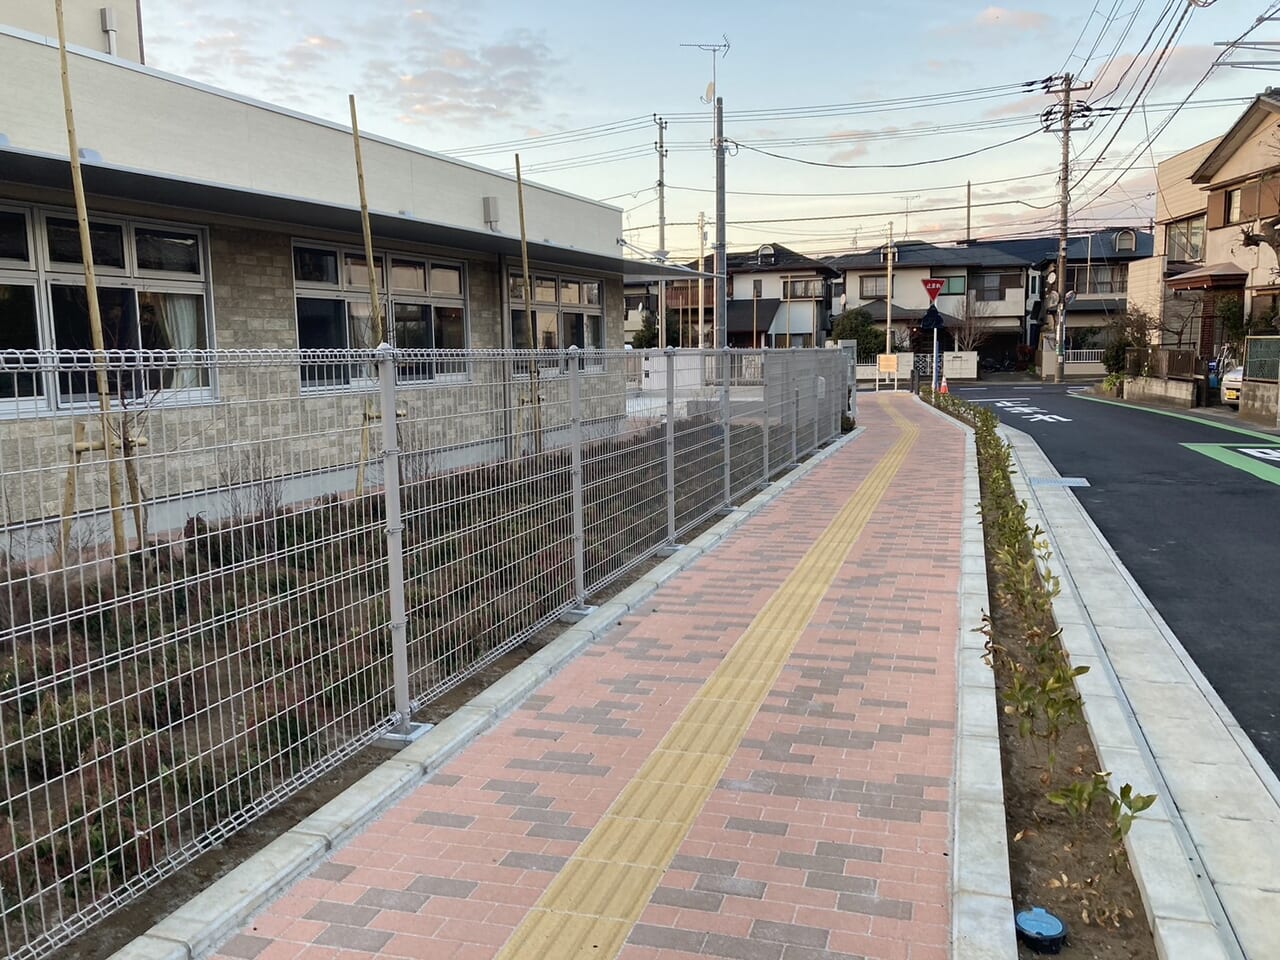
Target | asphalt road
(1197,527)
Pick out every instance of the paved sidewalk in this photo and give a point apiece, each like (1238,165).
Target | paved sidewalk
(756,764)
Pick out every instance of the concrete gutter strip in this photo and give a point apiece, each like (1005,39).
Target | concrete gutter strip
(1156,724)
(981,899)
(195,929)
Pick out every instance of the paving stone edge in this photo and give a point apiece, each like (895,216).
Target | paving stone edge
(1184,924)
(195,929)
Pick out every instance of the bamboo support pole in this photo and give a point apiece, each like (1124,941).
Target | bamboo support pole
(91,295)
(379,328)
(534,398)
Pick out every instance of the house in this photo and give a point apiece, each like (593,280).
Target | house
(983,300)
(221,221)
(775,297)
(1239,181)
(1179,249)
(1097,272)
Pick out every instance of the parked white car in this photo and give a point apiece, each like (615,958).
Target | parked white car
(1230,386)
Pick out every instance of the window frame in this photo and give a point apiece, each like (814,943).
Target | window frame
(591,358)
(44,274)
(788,287)
(8,263)
(879,280)
(950,281)
(389,296)
(1183,229)
(1233,203)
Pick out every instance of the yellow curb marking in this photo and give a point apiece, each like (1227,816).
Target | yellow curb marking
(599,894)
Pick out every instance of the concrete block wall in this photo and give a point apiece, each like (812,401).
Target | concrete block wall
(1260,403)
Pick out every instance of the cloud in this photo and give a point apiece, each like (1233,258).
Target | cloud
(1001,18)
(846,156)
(1034,104)
(445,64)
(1183,67)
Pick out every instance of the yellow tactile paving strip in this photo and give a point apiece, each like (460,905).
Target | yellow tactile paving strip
(596,899)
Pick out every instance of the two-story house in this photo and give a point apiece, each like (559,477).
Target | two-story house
(983,299)
(776,297)
(1097,273)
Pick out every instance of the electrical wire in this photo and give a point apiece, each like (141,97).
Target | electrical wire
(892,166)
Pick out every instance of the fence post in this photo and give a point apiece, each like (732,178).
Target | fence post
(670,355)
(579,523)
(795,407)
(726,418)
(395,536)
(764,387)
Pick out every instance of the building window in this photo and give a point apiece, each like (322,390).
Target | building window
(1126,241)
(1233,205)
(993,286)
(567,312)
(757,288)
(1098,279)
(805,289)
(151,295)
(424,309)
(765,255)
(15,245)
(1184,239)
(19,330)
(874,287)
(952,287)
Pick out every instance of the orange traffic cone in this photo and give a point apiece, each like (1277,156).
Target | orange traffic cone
(944,386)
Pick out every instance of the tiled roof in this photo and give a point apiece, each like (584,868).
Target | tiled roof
(918,254)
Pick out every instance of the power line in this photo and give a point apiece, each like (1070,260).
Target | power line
(890,166)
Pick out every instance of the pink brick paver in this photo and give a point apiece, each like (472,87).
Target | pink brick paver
(828,835)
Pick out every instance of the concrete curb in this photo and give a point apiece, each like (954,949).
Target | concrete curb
(1186,918)
(981,899)
(196,928)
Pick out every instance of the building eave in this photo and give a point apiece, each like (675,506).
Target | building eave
(28,168)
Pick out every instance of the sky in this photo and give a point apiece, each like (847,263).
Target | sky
(840,119)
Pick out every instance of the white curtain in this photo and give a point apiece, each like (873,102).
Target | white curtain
(179,321)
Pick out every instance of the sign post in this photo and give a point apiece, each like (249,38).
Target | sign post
(932,319)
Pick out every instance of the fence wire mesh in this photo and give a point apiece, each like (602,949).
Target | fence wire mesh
(196,593)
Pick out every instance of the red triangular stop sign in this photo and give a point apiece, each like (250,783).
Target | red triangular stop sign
(933,286)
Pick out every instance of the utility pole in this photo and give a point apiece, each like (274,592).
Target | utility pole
(662,231)
(888,297)
(1066,88)
(720,314)
(702,268)
(968,209)
(722,263)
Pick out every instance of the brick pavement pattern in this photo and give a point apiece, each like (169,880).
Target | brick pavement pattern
(755,765)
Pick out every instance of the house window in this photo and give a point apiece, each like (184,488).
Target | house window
(1098,279)
(567,312)
(757,288)
(992,286)
(1184,239)
(151,295)
(874,287)
(1233,205)
(1126,241)
(806,289)
(765,255)
(424,309)
(952,286)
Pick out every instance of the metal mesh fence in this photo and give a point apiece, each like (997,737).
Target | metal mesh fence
(201,562)
(1262,358)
